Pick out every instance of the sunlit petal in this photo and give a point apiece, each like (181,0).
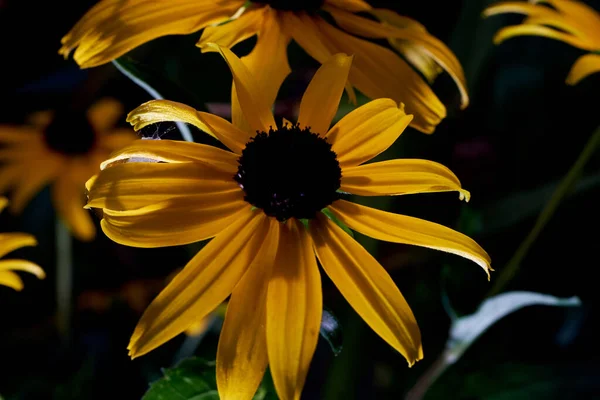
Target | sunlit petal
(367,287)
(584,66)
(22,265)
(12,241)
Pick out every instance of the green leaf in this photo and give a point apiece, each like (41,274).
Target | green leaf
(339,223)
(192,379)
(331,331)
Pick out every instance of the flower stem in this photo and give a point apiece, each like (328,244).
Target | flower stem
(563,189)
(64,279)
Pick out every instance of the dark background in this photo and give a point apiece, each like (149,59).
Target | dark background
(522,131)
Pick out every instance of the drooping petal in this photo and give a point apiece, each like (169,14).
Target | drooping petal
(234,31)
(350,5)
(10,242)
(130,186)
(584,66)
(22,265)
(294,307)
(174,224)
(420,38)
(164,110)
(367,287)
(367,131)
(542,31)
(396,228)
(253,101)
(202,285)
(175,151)
(68,200)
(35,174)
(380,73)
(10,279)
(114,27)
(242,352)
(405,176)
(104,114)
(322,97)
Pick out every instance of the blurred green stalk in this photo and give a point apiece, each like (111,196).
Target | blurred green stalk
(64,279)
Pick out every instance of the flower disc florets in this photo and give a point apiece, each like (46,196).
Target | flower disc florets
(294,5)
(70,133)
(289,173)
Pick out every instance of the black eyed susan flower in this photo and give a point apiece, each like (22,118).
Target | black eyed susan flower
(572,22)
(113,27)
(65,150)
(10,242)
(262,203)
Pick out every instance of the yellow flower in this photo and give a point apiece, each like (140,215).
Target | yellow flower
(262,202)
(65,150)
(114,27)
(10,242)
(569,21)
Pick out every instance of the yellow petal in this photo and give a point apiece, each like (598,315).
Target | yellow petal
(18,134)
(133,185)
(3,203)
(10,242)
(396,228)
(380,73)
(174,224)
(113,27)
(164,110)
(22,265)
(202,285)
(68,200)
(350,5)
(395,177)
(116,139)
(294,307)
(322,97)
(367,287)
(542,31)
(235,31)
(582,15)
(420,40)
(585,65)
(34,176)
(10,279)
(267,63)
(253,101)
(175,151)
(242,352)
(367,131)
(104,114)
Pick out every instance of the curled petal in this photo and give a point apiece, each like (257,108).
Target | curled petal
(584,66)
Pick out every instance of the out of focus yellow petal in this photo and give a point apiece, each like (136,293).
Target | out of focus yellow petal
(396,228)
(294,307)
(419,39)
(403,176)
(242,352)
(10,279)
(34,175)
(104,114)
(584,66)
(175,151)
(367,287)
(380,73)
(202,285)
(253,101)
(164,110)
(114,27)
(350,5)
(10,242)
(68,200)
(367,131)
(22,265)
(322,97)
(542,31)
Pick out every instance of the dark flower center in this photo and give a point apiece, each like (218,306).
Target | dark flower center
(70,133)
(294,5)
(289,173)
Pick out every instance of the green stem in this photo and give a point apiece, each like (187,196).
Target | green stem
(64,279)
(511,269)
